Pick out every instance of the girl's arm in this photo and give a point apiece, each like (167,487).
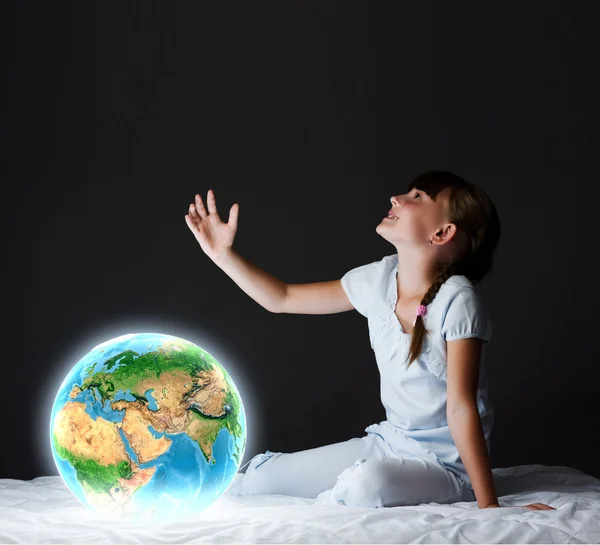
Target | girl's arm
(465,426)
(464,357)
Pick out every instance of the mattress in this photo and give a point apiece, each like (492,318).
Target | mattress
(43,510)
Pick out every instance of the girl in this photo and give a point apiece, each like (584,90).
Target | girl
(427,328)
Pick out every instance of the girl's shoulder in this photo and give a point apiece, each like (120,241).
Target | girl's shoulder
(457,288)
(457,282)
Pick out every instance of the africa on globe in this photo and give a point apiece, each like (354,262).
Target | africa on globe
(148,426)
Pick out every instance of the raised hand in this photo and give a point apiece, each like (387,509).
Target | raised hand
(214,236)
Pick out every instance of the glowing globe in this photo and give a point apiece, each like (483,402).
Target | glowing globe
(148,426)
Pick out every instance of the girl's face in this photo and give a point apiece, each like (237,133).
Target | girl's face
(419,218)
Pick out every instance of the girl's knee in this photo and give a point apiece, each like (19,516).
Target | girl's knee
(361,485)
(388,482)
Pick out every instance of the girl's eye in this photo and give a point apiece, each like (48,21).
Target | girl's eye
(417,194)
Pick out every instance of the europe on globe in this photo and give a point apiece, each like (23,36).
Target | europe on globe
(148,426)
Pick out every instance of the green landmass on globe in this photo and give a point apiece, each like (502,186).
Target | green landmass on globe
(148,425)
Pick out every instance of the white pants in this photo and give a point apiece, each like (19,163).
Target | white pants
(356,473)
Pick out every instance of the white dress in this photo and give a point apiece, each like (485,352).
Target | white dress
(409,458)
(414,398)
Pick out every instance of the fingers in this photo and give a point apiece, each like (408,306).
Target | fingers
(200,206)
(192,213)
(210,199)
(197,210)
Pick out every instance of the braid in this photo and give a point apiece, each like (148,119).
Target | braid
(419,331)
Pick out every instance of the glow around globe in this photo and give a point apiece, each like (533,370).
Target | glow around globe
(148,426)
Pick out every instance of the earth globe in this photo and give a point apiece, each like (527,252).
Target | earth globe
(148,426)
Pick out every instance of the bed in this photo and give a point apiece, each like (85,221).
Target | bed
(43,510)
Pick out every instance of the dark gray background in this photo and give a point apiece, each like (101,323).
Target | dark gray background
(310,115)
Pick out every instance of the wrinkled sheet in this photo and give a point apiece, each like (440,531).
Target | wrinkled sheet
(43,510)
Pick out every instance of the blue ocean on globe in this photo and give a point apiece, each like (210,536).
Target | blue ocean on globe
(148,426)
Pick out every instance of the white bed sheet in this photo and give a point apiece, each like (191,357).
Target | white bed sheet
(43,510)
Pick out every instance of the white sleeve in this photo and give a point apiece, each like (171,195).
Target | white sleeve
(359,283)
(466,317)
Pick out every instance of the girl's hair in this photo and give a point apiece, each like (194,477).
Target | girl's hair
(478,233)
